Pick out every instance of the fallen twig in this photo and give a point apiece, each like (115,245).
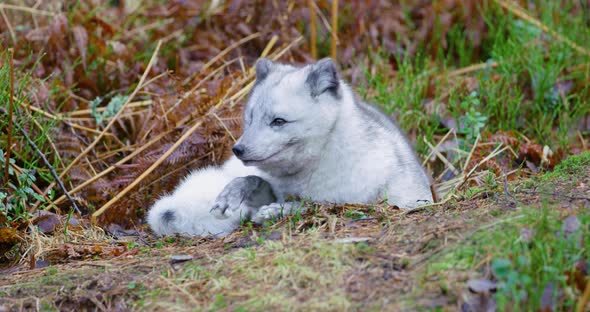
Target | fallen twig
(25,9)
(584,298)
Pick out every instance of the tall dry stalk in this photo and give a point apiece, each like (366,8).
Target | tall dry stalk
(313,17)
(334,52)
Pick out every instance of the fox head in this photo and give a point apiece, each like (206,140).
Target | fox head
(289,116)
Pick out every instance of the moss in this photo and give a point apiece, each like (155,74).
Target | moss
(573,166)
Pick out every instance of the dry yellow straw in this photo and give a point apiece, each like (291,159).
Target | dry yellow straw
(334,29)
(110,124)
(314,51)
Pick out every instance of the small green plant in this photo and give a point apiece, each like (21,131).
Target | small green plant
(51,271)
(355,214)
(220,302)
(14,199)
(114,105)
(473,122)
(131,286)
(260,240)
(25,170)
(490,180)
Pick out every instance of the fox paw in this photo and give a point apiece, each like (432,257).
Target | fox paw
(268,212)
(233,196)
(226,203)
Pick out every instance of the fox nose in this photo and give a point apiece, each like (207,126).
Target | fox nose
(238,150)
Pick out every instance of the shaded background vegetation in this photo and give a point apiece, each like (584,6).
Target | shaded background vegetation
(465,79)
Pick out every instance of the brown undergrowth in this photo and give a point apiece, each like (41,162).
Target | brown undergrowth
(88,55)
(188,66)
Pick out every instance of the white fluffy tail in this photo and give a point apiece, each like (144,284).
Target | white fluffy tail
(186,211)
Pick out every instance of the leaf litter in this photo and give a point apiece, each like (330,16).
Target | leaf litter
(83,63)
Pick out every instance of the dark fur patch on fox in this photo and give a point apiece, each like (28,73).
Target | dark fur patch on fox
(168,216)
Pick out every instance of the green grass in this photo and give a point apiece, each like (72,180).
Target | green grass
(520,94)
(255,278)
(523,268)
(25,168)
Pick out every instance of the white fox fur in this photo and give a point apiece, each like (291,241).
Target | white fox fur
(190,203)
(306,135)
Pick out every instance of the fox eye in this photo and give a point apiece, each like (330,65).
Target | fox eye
(277,122)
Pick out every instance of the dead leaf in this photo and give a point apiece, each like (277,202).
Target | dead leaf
(481,285)
(81,39)
(85,251)
(579,276)
(570,226)
(8,238)
(526,235)
(41,264)
(479,296)
(119,232)
(46,221)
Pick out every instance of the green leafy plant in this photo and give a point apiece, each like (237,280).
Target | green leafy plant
(14,198)
(114,105)
(473,122)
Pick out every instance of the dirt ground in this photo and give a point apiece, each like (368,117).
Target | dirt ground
(334,258)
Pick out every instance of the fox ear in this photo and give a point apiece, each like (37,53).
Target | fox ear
(263,67)
(323,77)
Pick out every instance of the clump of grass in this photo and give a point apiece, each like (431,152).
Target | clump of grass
(26,173)
(402,95)
(536,85)
(531,267)
(524,268)
(532,72)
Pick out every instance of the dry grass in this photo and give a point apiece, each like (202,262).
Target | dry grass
(352,257)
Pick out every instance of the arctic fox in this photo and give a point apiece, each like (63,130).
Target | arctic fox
(306,135)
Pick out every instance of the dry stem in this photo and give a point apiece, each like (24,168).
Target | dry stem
(334,51)
(312,30)
(116,117)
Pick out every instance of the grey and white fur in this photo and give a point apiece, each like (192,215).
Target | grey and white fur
(306,135)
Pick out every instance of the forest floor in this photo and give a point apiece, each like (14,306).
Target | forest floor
(333,258)
(107,105)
